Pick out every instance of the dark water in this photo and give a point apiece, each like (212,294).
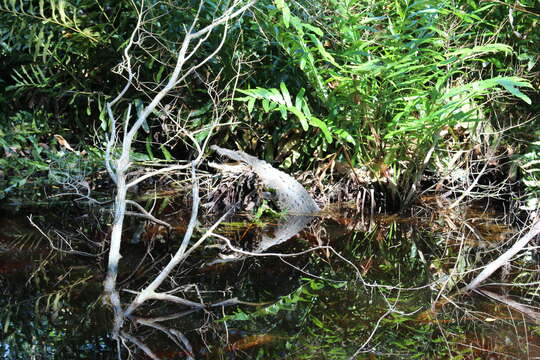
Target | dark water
(385,291)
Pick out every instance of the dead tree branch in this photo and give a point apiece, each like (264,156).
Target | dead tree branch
(505,257)
(118,152)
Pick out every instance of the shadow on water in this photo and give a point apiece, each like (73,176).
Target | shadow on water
(387,295)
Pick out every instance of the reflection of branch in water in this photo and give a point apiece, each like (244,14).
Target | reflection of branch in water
(168,317)
(64,240)
(505,257)
(522,308)
(321,247)
(176,336)
(140,344)
(145,214)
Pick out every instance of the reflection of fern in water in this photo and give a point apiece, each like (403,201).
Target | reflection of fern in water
(22,240)
(47,316)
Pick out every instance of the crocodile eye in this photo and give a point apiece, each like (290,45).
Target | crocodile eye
(267,195)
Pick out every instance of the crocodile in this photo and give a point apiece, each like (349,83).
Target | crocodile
(291,196)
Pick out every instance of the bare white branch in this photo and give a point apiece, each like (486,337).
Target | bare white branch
(118,161)
(505,257)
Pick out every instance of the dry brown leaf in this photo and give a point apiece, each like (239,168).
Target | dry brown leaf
(63,142)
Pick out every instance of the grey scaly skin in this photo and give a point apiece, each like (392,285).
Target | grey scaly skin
(291,195)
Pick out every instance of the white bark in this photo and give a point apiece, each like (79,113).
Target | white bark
(118,169)
(505,258)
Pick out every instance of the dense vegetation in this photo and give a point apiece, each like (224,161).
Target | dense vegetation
(392,98)
(399,88)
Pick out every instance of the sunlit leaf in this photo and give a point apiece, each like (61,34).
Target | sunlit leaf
(148,144)
(345,135)
(286,95)
(300,116)
(160,73)
(481,49)
(299,101)
(251,104)
(313,29)
(266,105)
(286,14)
(166,153)
(512,84)
(317,322)
(283,111)
(321,125)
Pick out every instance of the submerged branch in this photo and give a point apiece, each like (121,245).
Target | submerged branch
(522,308)
(505,258)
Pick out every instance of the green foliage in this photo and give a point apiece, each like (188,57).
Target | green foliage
(23,156)
(32,159)
(55,62)
(276,100)
(530,164)
(386,79)
(61,51)
(379,79)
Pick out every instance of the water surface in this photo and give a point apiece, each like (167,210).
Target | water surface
(383,290)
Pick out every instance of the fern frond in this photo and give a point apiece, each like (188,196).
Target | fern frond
(29,76)
(56,12)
